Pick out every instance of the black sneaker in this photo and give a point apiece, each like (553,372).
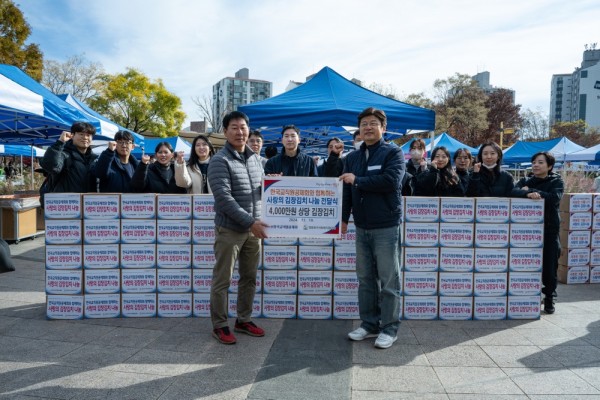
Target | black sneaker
(549,305)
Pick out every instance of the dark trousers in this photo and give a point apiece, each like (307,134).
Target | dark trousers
(551,254)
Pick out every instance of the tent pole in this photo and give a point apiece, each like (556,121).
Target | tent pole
(31,165)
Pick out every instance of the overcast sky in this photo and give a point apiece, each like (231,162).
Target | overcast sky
(191,45)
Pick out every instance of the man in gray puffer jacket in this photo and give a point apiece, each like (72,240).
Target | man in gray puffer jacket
(234,175)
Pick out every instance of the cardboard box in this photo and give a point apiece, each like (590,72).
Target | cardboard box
(138,305)
(526,235)
(315,282)
(174,206)
(309,241)
(345,307)
(491,260)
(138,255)
(595,241)
(576,221)
(203,232)
(596,221)
(490,308)
(101,256)
(203,206)
(280,257)
(525,260)
(174,280)
(102,305)
(576,202)
(456,308)
(348,238)
(315,307)
(456,259)
(280,281)
(280,241)
(457,209)
(101,231)
(456,234)
(64,231)
(138,205)
(423,259)
(595,274)
(421,209)
(524,307)
(491,235)
(456,284)
(596,203)
(64,257)
(174,305)
(574,257)
(573,275)
(345,283)
(492,210)
(345,258)
(68,282)
(64,307)
(315,257)
(420,307)
(201,304)
(595,257)
(232,306)
(420,283)
(279,306)
(138,280)
(490,284)
(421,234)
(101,206)
(174,231)
(203,256)
(524,283)
(62,206)
(174,256)
(576,239)
(138,231)
(102,281)
(202,280)
(527,211)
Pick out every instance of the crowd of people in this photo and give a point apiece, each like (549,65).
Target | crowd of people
(375,175)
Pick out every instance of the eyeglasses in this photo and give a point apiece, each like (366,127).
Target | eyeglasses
(372,124)
(124,142)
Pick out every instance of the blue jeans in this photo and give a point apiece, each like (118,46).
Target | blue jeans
(378,255)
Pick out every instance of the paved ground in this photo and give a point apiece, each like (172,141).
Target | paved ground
(557,357)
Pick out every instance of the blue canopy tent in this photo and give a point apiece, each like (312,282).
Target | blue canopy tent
(330,100)
(149,144)
(521,152)
(443,139)
(21,150)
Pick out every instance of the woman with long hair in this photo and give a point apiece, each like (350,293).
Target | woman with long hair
(463,160)
(439,179)
(157,177)
(488,179)
(547,185)
(193,176)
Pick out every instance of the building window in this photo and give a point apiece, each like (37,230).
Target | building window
(584,74)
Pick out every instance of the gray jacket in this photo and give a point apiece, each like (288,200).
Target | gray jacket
(236,185)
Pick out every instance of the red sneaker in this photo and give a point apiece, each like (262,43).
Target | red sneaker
(223,335)
(249,328)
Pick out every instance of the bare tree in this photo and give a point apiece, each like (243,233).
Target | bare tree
(387,90)
(535,125)
(205,109)
(76,76)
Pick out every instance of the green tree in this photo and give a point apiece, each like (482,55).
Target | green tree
(133,101)
(460,109)
(419,100)
(576,131)
(14,31)
(387,90)
(76,76)
(501,109)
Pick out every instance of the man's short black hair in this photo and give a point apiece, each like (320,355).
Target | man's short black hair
(124,135)
(81,126)
(256,133)
(235,115)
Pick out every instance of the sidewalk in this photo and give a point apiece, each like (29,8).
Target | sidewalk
(556,357)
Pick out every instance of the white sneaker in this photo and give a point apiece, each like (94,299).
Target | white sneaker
(361,334)
(384,341)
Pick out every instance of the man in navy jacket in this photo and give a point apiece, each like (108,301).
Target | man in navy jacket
(116,164)
(372,192)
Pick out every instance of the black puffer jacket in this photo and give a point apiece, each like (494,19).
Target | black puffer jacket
(70,170)
(551,188)
(113,176)
(147,178)
(299,165)
(486,184)
(431,183)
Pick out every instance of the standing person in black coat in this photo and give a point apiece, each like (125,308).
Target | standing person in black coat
(116,164)
(487,179)
(547,185)
(158,177)
(291,161)
(414,167)
(463,160)
(69,161)
(439,179)
(332,166)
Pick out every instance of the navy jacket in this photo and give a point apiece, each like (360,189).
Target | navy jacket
(300,165)
(375,197)
(485,184)
(113,176)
